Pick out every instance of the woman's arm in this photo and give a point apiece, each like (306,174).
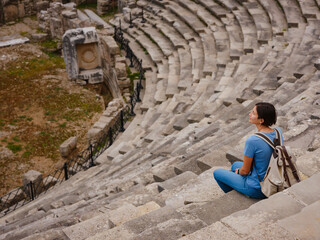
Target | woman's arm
(246,167)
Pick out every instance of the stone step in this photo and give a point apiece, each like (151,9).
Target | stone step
(108,220)
(210,55)
(188,17)
(293,14)
(200,190)
(189,35)
(133,228)
(262,22)
(214,8)
(280,216)
(176,181)
(151,48)
(276,16)
(171,229)
(147,62)
(247,25)
(310,38)
(185,59)
(309,9)
(173,75)
(177,40)
(214,210)
(197,60)
(150,87)
(50,234)
(303,225)
(163,43)
(129,135)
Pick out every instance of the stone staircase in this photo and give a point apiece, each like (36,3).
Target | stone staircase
(207,63)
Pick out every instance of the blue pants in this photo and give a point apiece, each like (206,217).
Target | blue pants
(229,180)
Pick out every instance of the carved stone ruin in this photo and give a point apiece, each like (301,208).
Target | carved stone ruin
(126,4)
(11,10)
(81,55)
(59,18)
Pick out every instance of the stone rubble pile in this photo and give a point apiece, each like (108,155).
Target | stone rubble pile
(11,10)
(58,18)
(106,120)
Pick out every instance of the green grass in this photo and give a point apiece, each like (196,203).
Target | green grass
(91,6)
(14,148)
(49,44)
(32,68)
(24,34)
(63,125)
(26,154)
(16,139)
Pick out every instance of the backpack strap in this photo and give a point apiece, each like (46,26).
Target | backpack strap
(278,141)
(291,165)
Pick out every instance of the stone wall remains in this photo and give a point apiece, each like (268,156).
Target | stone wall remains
(126,4)
(11,10)
(59,18)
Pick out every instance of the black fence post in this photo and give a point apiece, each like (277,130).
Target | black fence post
(121,44)
(131,56)
(31,190)
(127,49)
(110,136)
(121,122)
(65,168)
(140,77)
(91,164)
(138,92)
(143,20)
(115,32)
(131,103)
(131,25)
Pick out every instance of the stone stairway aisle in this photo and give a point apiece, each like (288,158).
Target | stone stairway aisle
(155,181)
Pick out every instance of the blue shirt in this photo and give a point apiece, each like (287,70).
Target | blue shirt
(261,152)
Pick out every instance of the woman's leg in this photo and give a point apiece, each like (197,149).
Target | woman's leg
(236,165)
(228,180)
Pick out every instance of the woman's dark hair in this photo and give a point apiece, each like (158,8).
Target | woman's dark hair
(267,112)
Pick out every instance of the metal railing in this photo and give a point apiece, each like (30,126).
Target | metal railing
(86,159)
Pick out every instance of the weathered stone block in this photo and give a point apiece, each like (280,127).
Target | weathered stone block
(36,178)
(39,36)
(43,5)
(94,133)
(111,45)
(124,83)
(68,146)
(69,14)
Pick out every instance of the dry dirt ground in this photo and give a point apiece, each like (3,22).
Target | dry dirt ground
(39,107)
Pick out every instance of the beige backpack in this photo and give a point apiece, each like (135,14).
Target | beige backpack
(282,170)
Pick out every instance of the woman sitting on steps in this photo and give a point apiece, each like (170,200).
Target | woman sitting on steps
(243,177)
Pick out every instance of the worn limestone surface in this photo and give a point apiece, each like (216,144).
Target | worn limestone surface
(68,146)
